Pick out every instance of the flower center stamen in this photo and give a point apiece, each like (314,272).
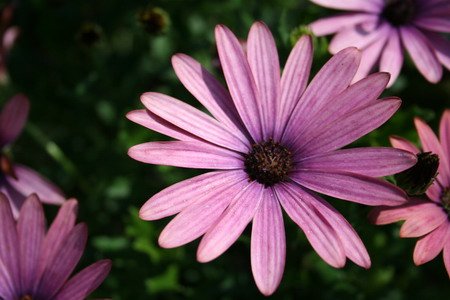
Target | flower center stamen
(399,12)
(268,162)
(26,297)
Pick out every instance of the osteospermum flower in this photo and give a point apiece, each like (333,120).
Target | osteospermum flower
(35,264)
(18,181)
(384,28)
(274,141)
(427,217)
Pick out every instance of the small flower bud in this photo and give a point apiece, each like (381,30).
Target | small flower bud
(154,20)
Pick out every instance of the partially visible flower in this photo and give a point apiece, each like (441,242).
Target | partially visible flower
(383,29)
(429,217)
(8,36)
(154,20)
(275,141)
(35,264)
(18,181)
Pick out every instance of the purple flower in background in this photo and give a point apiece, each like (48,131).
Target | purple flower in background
(383,29)
(18,181)
(37,265)
(275,141)
(8,36)
(428,217)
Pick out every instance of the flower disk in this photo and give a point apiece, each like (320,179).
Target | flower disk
(268,163)
(399,12)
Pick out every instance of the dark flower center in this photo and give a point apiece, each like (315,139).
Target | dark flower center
(399,12)
(268,163)
(6,166)
(445,198)
(26,297)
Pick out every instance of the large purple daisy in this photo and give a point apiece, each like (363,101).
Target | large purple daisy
(18,181)
(275,141)
(384,28)
(35,264)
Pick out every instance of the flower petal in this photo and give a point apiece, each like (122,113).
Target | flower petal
(148,119)
(423,221)
(441,47)
(262,57)
(293,81)
(374,6)
(392,56)
(349,127)
(240,81)
(31,232)
(402,143)
(58,271)
(190,154)
(268,245)
(430,245)
(9,244)
(434,23)
(202,214)
(422,55)
(373,161)
(85,282)
(192,120)
(333,24)
(177,197)
(382,215)
(29,182)
(349,186)
(333,78)
(7,290)
(447,253)
(13,118)
(232,222)
(319,232)
(209,91)
(444,133)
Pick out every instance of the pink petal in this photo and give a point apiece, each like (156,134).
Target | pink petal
(333,78)
(232,222)
(209,91)
(177,197)
(423,221)
(192,120)
(382,215)
(240,81)
(262,57)
(444,133)
(333,24)
(13,118)
(441,47)
(9,245)
(29,182)
(402,143)
(447,254)
(434,23)
(186,154)
(392,56)
(349,127)
(9,37)
(85,282)
(430,142)
(319,232)
(31,232)
(202,214)
(148,119)
(358,5)
(430,245)
(7,290)
(349,186)
(293,81)
(422,55)
(57,233)
(58,271)
(268,245)
(373,161)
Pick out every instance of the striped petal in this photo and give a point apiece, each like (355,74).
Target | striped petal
(444,133)
(13,118)
(374,6)
(392,56)
(423,221)
(428,247)
(333,24)
(402,143)
(382,215)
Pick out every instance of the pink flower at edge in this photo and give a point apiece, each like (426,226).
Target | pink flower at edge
(18,181)
(35,264)
(428,217)
(274,141)
(383,29)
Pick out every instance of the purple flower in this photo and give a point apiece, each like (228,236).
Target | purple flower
(383,29)
(427,217)
(8,36)
(37,265)
(18,181)
(274,141)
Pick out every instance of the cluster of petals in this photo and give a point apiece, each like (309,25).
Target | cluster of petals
(384,29)
(427,217)
(18,181)
(260,105)
(35,264)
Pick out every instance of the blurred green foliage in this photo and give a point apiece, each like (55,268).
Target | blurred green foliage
(82,80)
